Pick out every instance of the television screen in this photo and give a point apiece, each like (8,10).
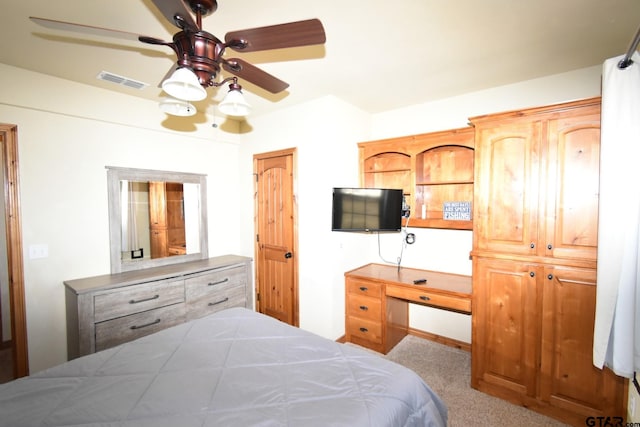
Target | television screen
(367,209)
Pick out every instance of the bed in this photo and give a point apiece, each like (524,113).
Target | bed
(232,368)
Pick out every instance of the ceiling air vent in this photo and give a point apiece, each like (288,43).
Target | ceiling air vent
(114,78)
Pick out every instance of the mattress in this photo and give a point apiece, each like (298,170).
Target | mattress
(232,368)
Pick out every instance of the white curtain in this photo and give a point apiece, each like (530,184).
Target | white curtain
(617,325)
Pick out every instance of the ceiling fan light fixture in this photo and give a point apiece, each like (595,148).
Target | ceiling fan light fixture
(177,107)
(234,103)
(184,84)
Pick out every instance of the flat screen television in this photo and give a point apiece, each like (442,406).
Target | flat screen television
(367,209)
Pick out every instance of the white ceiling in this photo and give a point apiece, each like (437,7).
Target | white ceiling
(379,55)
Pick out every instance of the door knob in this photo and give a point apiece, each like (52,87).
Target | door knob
(288,255)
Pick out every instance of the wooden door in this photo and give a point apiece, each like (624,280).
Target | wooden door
(573,186)
(276,260)
(507,169)
(13,225)
(568,379)
(505,331)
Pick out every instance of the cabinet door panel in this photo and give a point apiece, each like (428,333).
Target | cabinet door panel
(506,187)
(505,331)
(573,176)
(568,378)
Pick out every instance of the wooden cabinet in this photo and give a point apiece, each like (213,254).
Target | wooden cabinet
(534,260)
(365,314)
(432,169)
(377,297)
(108,310)
(539,182)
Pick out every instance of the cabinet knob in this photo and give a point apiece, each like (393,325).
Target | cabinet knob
(532,274)
(549,246)
(550,276)
(532,245)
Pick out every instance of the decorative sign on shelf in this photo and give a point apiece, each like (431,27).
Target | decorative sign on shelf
(456,211)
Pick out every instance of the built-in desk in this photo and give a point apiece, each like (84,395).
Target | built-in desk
(377,301)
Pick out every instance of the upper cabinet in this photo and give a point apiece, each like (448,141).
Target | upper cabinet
(537,181)
(435,171)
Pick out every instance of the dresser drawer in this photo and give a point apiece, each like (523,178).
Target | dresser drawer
(134,299)
(211,302)
(364,307)
(117,331)
(364,287)
(424,296)
(365,329)
(204,285)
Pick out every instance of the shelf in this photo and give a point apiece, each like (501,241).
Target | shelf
(432,169)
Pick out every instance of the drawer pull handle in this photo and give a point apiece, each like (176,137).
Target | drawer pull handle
(218,282)
(155,322)
(133,301)
(364,308)
(424,298)
(364,330)
(219,302)
(364,288)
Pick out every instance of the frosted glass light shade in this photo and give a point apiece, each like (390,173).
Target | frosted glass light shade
(177,107)
(234,104)
(184,84)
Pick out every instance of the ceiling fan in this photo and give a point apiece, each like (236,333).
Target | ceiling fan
(200,54)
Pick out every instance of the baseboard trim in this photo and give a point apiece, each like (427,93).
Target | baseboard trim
(440,339)
(450,342)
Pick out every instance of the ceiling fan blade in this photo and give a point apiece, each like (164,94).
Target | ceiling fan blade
(254,75)
(86,29)
(172,8)
(293,34)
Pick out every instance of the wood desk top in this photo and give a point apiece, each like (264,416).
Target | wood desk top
(456,284)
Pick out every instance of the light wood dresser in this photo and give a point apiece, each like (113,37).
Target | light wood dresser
(108,310)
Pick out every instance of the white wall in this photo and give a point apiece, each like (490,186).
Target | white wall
(326,132)
(67,134)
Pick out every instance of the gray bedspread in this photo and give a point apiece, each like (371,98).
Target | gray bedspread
(233,368)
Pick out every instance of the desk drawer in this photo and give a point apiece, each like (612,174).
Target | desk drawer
(365,329)
(424,295)
(364,307)
(117,331)
(135,299)
(364,287)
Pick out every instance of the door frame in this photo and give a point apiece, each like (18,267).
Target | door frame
(256,157)
(15,264)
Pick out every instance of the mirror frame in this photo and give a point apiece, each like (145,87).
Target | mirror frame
(117,174)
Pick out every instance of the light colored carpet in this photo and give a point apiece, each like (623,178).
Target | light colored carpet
(447,371)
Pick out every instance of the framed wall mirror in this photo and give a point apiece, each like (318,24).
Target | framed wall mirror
(156,218)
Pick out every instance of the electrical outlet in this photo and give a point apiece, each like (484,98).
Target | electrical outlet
(38,251)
